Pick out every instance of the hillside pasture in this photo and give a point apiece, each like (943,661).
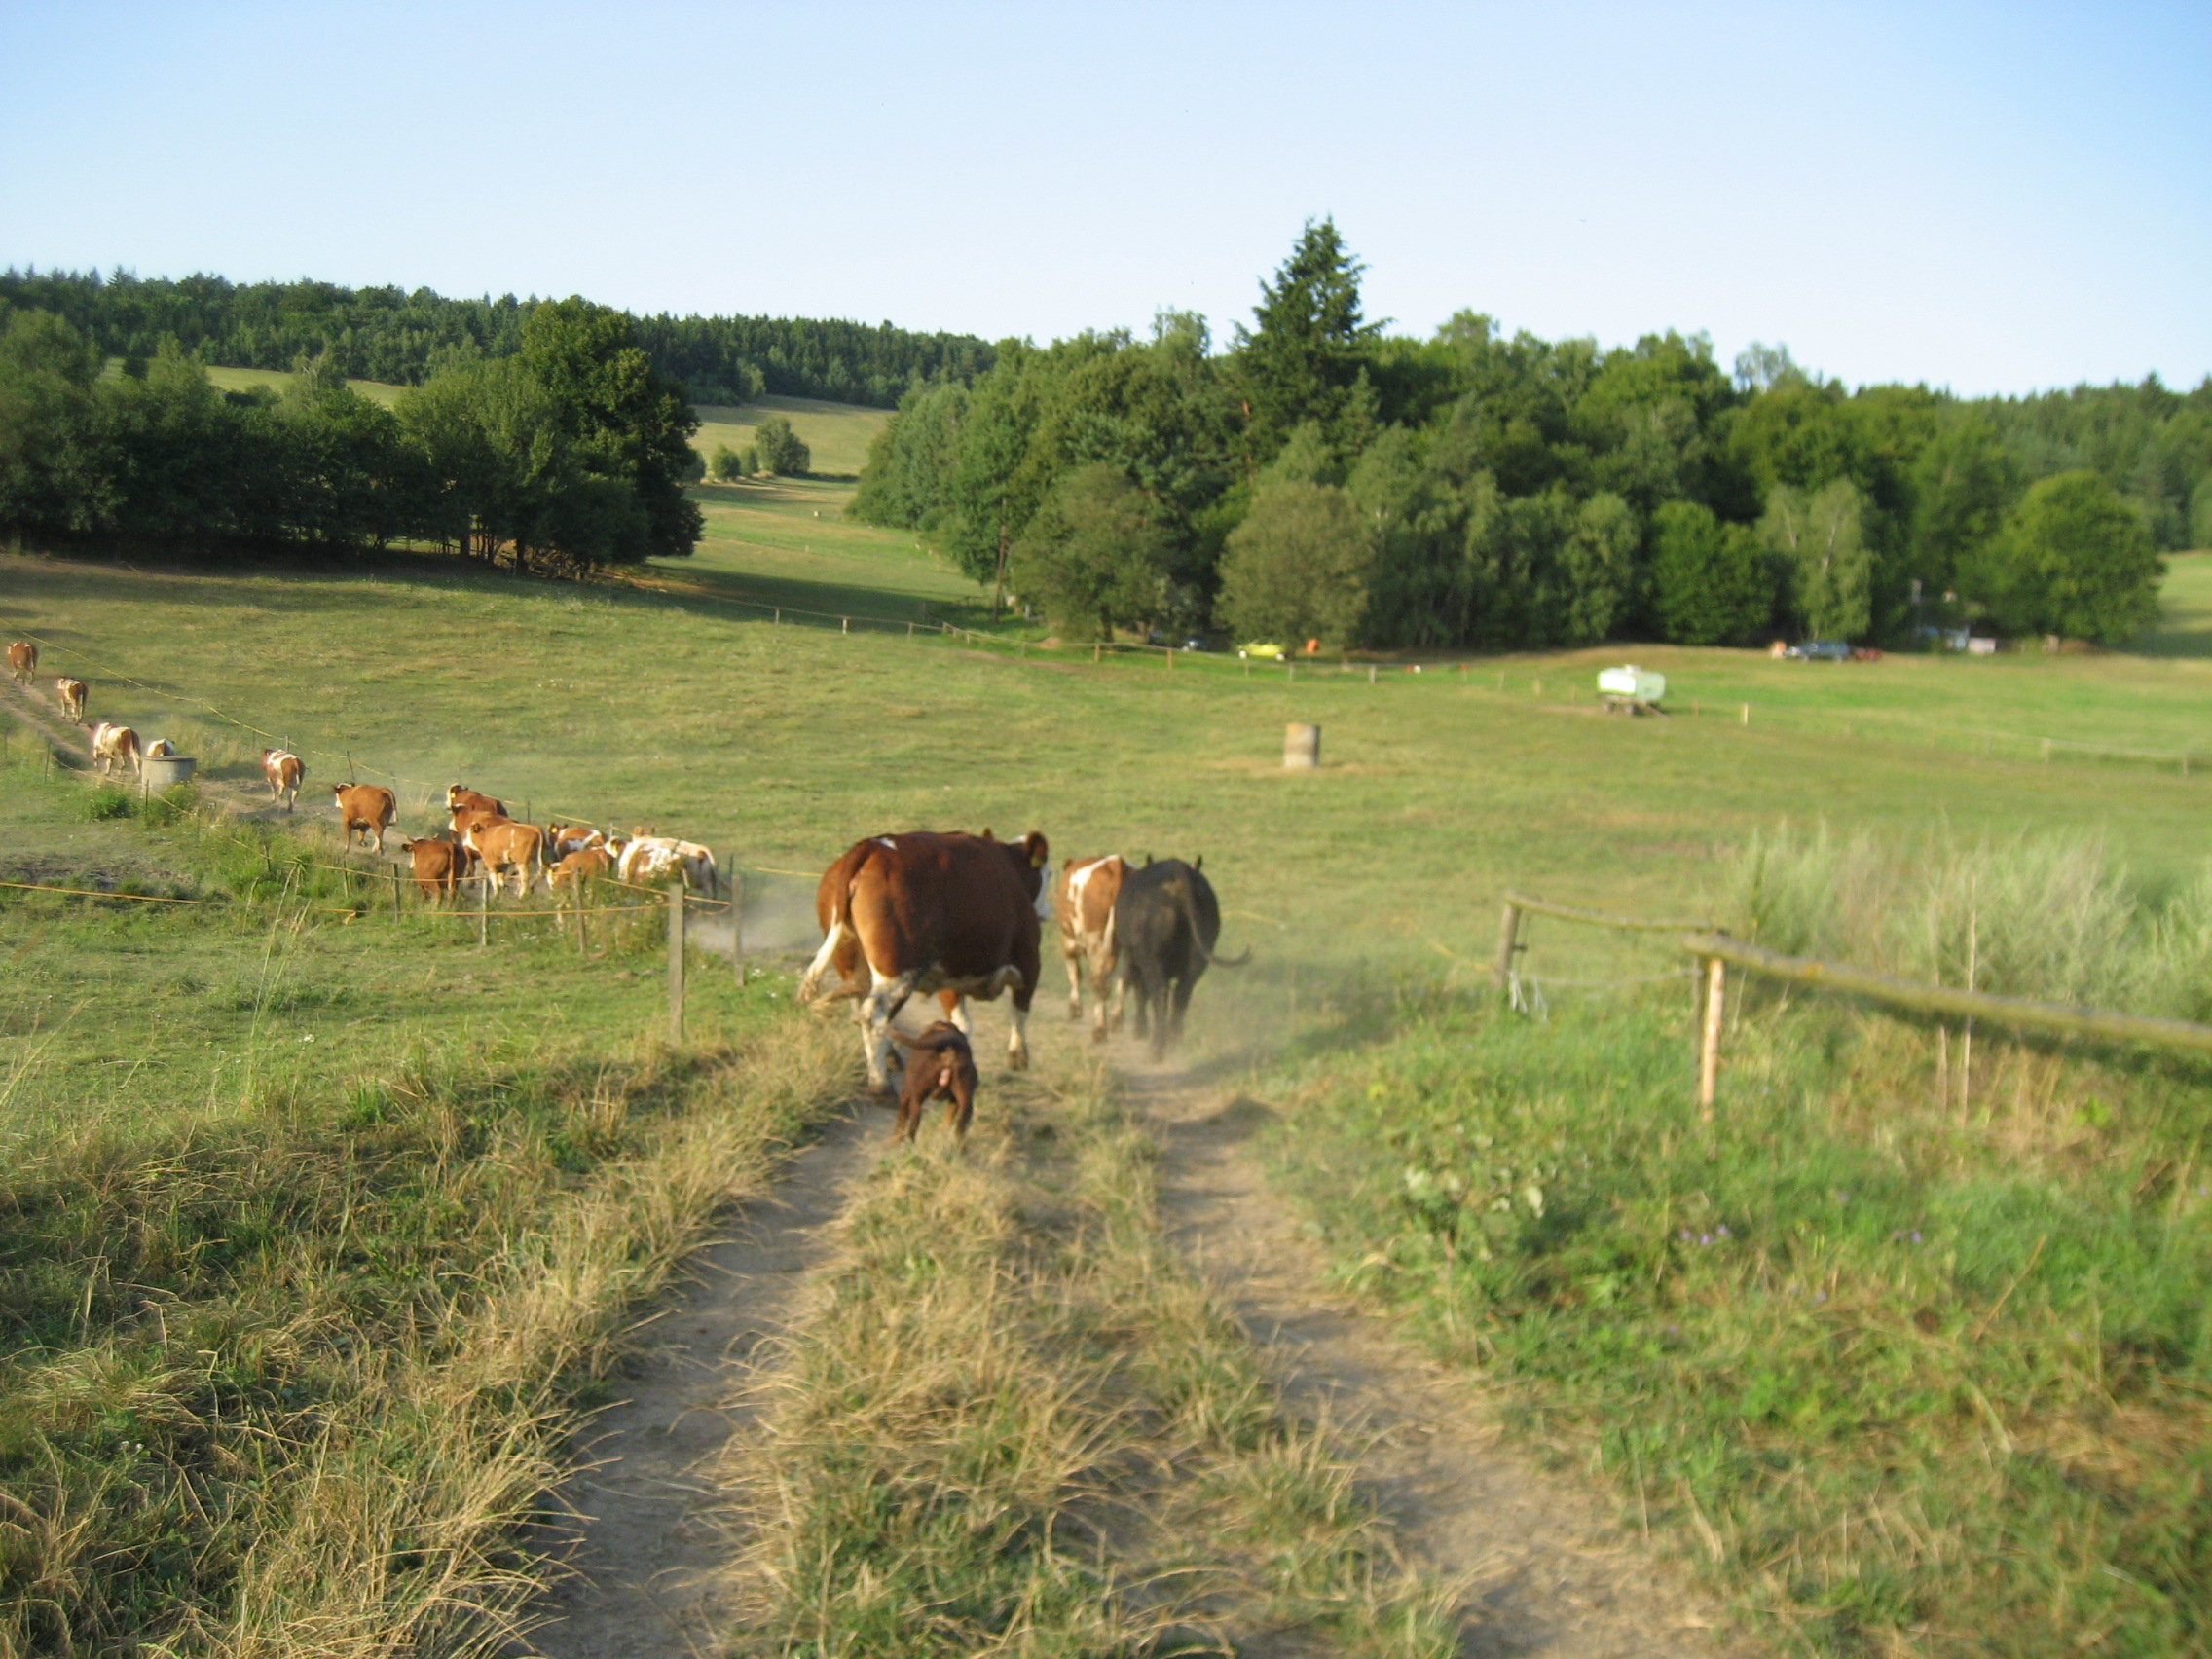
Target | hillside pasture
(1368,893)
(837,434)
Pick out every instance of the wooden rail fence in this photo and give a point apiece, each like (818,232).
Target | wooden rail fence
(1716,950)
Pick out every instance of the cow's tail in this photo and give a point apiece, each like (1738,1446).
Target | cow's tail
(837,925)
(1191,916)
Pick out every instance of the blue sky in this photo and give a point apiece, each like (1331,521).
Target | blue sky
(1993,197)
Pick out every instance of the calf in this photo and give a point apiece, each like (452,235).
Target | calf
(284,770)
(944,1068)
(115,746)
(22,660)
(368,808)
(72,694)
(508,848)
(460,797)
(580,868)
(440,867)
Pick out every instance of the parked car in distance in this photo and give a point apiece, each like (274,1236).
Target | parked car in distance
(1820,650)
(1260,649)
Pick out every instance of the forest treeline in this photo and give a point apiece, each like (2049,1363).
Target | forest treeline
(569,452)
(1322,478)
(405,337)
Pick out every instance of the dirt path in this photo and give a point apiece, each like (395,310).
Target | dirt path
(1546,1572)
(648,1561)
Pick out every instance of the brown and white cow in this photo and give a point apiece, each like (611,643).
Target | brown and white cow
(115,746)
(507,849)
(1089,888)
(72,693)
(284,771)
(953,914)
(368,808)
(22,660)
(459,798)
(160,748)
(647,861)
(440,867)
(562,840)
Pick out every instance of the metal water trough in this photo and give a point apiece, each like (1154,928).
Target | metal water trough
(166,772)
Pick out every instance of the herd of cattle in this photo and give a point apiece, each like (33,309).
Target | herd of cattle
(956,916)
(920,914)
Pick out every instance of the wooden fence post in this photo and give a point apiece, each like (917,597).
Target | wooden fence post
(1708,1045)
(484,911)
(395,890)
(1747,713)
(737,922)
(1508,941)
(676,964)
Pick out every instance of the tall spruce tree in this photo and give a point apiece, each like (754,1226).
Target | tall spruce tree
(1305,360)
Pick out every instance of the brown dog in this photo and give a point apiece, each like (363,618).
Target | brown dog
(940,1068)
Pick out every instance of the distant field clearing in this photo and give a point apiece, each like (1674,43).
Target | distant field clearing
(838,433)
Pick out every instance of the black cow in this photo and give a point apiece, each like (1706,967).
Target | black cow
(1165,923)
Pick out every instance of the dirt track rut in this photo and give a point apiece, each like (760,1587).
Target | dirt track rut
(650,1558)
(1543,1571)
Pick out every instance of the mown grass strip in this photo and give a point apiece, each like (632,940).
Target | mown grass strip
(1013,1423)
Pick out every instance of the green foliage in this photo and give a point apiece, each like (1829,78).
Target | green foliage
(2072,559)
(779,449)
(406,339)
(1096,555)
(1296,567)
(1304,359)
(726,466)
(1711,584)
(1819,541)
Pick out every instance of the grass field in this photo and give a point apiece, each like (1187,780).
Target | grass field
(1369,890)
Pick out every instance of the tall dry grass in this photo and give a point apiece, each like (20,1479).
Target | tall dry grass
(343,1452)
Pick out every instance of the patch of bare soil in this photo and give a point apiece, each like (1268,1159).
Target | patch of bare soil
(1544,1569)
(650,1562)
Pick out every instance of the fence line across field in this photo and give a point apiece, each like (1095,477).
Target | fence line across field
(1716,949)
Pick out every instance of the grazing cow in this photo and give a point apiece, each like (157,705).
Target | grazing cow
(460,796)
(1166,921)
(1089,888)
(115,746)
(22,660)
(284,771)
(944,1068)
(646,860)
(72,693)
(580,868)
(927,912)
(368,808)
(508,848)
(440,867)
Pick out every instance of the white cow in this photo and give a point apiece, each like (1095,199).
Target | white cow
(646,860)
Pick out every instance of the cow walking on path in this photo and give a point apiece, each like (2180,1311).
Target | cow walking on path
(115,746)
(72,693)
(1089,889)
(1167,920)
(284,771)
(924,912)
(22,660)
(366,808)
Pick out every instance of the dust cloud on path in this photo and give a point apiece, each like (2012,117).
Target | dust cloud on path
(1533,1549)
(650,1558)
